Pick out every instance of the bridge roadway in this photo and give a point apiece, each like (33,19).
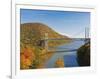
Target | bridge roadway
(58,51)
(64,39)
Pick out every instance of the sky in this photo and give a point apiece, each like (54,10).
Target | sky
(69,23)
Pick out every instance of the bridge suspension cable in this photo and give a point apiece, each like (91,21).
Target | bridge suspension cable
(86,35)
(84,31)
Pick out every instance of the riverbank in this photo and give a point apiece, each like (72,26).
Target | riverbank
(46,55)
(84,55)
(34,57)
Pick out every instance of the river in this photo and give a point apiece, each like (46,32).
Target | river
(69,57)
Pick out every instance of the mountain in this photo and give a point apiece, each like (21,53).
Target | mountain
(31,33)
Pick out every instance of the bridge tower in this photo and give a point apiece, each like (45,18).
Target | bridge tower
(46,41)
(87,35)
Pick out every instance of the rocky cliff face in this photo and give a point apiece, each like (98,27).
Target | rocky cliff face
(84,55)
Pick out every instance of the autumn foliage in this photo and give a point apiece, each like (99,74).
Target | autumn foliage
(33,55)
(26,57)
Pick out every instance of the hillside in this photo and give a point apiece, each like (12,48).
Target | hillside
(32,54)
(32,33)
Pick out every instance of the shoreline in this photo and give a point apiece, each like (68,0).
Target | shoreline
(50,54)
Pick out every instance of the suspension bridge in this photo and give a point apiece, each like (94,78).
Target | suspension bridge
(47,39)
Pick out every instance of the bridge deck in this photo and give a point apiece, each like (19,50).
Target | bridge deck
(65,39)
(62,50)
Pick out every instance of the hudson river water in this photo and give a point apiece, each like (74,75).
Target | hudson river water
(69,57)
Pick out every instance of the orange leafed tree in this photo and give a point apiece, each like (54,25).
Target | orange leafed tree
(26,57)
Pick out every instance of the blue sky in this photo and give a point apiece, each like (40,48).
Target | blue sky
(68,23)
